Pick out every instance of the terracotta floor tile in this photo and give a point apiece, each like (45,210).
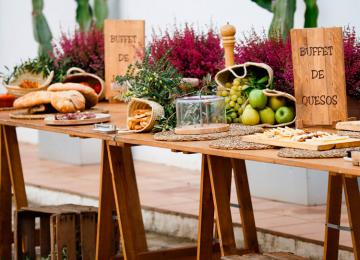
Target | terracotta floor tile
(301,229)
(279,221)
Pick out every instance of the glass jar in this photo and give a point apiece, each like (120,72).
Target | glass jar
(200,112)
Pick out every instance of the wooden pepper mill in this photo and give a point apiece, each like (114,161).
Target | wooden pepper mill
(228,38)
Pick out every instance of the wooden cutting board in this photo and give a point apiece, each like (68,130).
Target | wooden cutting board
(24,114)
(100,118)
(315,145)
(349,126)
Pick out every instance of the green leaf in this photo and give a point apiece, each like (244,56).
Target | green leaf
(267,4)
(311,14)
(101,12)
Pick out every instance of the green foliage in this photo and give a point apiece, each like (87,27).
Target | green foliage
(41,29)
(101,12)
(311,13)
(41,65)
(284,11)
(154,80)
(84,14)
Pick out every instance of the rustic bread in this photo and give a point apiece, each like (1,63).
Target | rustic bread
(68,101)
(89,93)
(32,99)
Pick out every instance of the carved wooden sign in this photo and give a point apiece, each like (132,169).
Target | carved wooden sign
(123,41)
(319,76)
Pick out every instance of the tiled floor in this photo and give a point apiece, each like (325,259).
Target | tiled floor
(176,189)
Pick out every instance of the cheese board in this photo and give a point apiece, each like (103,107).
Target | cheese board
(349,126)
(296,138)
(85,120)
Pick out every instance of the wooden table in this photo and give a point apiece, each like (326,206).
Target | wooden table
(118,190)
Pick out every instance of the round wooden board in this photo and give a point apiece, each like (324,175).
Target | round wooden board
(23,114)
(100,118)
(202,129)
(7,108)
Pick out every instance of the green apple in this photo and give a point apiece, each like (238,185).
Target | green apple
(250,116)
(284,115)
(276,102)
(257,99)
(292,109)
(267,116)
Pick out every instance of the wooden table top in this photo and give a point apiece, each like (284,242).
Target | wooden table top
(118,115)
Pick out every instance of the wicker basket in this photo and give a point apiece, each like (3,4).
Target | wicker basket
(275,93)
(157,111)
(14,89)
(77,75)
(241,71)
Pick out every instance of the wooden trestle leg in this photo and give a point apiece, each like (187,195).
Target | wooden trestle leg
(11,175)
(333,214)
(215,188)
(352,195)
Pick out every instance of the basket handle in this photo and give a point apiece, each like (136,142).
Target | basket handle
(236,75)
(74,70)
(274,93)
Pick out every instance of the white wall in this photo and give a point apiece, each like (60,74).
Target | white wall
(244,14)
(16,36)
(17,42)
(16,39)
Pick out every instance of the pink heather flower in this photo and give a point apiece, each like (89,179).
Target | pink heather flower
(81,49)
(192,54)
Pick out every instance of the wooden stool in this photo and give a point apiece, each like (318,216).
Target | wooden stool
(65,229)
(265,256)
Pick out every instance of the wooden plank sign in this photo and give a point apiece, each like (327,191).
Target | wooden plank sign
(124,40)
(319,76)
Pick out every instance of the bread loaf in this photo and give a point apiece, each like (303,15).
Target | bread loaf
(89,93)
(32,99)
(68,101)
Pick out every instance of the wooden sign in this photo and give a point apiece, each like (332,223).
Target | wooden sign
(319,76)
(124,40)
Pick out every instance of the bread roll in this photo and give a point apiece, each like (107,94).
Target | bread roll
(32,99)
(89,93)
(68,101)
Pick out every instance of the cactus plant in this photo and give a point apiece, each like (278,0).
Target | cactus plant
(84,14)
(283,19)
(311,13)
(41,29)
(100,12)
(284,10)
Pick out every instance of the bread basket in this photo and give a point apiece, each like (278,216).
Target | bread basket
(77,75)
(157,111)
(14,89)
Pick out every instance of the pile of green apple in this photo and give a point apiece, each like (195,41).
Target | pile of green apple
(267,110)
